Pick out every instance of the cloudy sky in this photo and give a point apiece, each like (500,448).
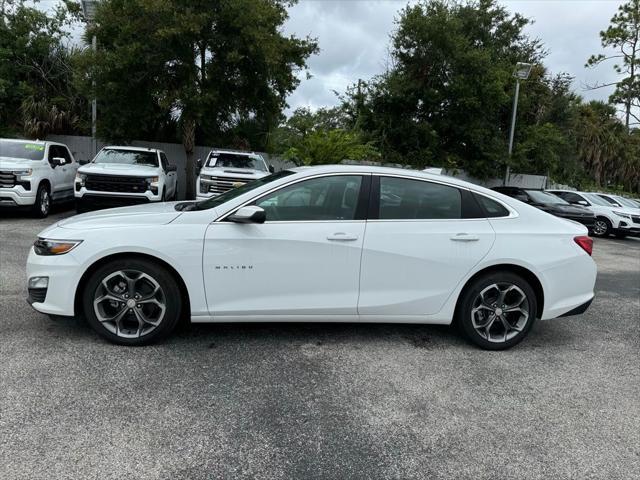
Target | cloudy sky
(353,36)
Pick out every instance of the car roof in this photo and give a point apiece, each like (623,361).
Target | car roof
(391,171)
(37,142)
(235,152)
(133,149)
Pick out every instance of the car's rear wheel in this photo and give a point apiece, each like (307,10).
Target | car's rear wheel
(602,227)
(497,310)
(43,201)
(132,301)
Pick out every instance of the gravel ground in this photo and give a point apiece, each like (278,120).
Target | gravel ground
(321,401)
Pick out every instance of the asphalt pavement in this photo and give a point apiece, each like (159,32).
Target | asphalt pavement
(326,401)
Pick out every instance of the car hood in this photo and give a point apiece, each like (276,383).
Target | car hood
(147,214)
(233,172)
(119,169)
(8,163)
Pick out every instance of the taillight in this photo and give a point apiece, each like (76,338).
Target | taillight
(586,243)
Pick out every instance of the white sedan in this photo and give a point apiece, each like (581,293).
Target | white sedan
(321,244)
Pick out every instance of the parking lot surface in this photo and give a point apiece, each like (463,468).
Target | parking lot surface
(331,401)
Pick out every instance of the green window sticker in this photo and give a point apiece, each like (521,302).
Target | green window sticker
(31,146)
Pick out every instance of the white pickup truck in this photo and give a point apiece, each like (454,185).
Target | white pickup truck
(224,170)
(124,176)
(34,174)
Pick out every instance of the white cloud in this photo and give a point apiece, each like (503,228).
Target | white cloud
(353,36)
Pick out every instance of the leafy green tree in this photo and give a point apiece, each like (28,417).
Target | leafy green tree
(331,147)
(37,94)
(208,65)
(446,100)
(600,141)
(623,36)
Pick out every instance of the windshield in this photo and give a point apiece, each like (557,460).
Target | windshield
(236,192)
(544,197)
(21,150)
(231,160)
(596,200)
(127,157)
(626,202)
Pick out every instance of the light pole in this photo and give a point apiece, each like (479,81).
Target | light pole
(521,72)
(89,11)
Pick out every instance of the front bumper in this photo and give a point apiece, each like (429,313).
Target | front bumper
(95,200)
(204,196)
(16,197)
(63,272)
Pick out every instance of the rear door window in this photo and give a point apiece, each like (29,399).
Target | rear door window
(408,199)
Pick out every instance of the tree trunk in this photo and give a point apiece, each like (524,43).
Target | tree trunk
(188,142)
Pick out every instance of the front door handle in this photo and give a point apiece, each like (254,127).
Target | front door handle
(465,237)
(342,237)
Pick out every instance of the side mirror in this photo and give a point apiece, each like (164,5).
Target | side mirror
(272,169)
(171,168)
(584,203)
(58,161)
(198,166)
(83,162)
(249,214)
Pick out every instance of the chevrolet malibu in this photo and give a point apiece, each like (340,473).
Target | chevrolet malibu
(320,244)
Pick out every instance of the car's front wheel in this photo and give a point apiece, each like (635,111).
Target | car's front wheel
(497,310)
(132,301)
(602,227)
(43,201)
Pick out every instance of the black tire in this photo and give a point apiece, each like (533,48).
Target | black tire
(471,295)
(42,206)
(602,227)
(170,293)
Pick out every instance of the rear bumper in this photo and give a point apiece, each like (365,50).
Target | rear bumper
(579,310)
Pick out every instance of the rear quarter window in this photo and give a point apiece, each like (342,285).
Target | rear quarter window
(491,208)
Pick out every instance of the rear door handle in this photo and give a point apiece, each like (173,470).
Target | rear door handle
(465,237)
(342,237)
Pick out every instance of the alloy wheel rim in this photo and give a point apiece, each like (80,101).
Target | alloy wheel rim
(44,201)
(500,312)
(129,303)
(600,227)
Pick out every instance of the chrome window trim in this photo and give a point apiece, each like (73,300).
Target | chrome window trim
(512,212)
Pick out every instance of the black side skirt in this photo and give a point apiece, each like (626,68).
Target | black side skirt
(580,309)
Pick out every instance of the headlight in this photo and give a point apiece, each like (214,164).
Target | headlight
(23,173)
(43,246)
(623,215)
(80,178)
(152,184)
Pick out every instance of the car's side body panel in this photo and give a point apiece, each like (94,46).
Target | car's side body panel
(411,271)
(282,268)
(410,267)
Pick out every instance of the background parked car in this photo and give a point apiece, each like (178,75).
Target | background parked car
(125,175)
(609,219)
(224,170)
(34,174)
(551,204)
(618,201)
